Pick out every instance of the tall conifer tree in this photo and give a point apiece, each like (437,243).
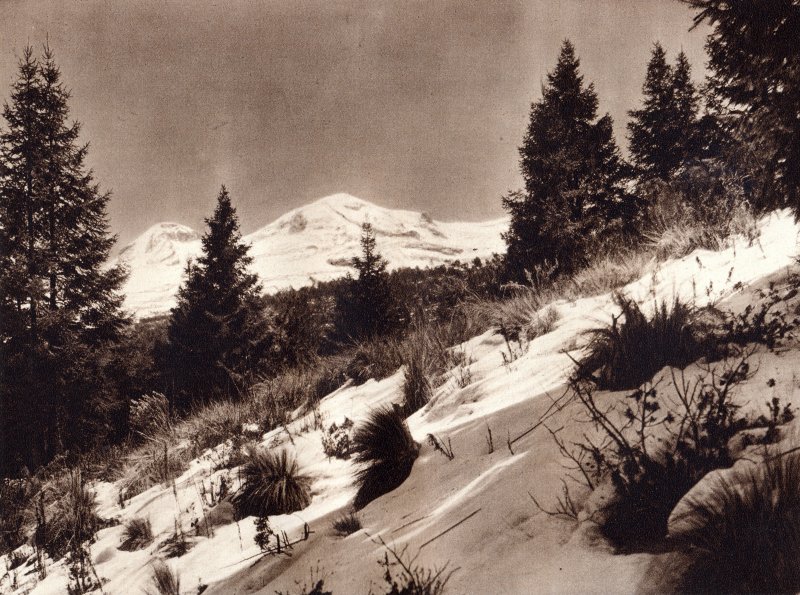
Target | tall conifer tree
(217,334)
(755,64)
(60,304)
(574,176)
(663,133)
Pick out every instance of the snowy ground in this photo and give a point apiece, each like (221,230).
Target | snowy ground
(475,512)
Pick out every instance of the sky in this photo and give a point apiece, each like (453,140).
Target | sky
(418,105)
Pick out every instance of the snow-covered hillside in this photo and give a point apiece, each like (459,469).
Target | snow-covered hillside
(311,243)
(475,511)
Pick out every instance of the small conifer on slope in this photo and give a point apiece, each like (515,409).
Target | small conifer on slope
(367,307)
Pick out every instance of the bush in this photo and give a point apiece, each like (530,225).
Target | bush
(272,484)
(336,441)
(137,534)
(386,452)
(626,354)
(347,524)
(165,580)
(744,536)
(70,521)
(149,416)
(651,472)
(15,494)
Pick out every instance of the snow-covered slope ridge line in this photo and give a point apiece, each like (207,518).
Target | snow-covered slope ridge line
(311,243)
(474,511)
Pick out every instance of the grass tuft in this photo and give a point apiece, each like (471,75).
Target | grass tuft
(165,580)
(71,519)
(137,534)
(386,452)
(628,353)
(272,484)
(347,524)
(744,535)
(424,357)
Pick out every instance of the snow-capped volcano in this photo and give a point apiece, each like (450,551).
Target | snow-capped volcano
(311,243)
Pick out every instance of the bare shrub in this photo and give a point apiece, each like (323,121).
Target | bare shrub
(649,474)
(403,575)
(272,484)
(337,440)
(386,452)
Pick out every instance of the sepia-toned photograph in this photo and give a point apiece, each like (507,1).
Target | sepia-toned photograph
(399,297)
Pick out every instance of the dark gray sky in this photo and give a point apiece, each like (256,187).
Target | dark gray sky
(408,104)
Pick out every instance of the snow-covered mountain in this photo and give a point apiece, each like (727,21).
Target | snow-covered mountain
(311,243)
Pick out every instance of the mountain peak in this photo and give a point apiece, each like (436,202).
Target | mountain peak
(314,242)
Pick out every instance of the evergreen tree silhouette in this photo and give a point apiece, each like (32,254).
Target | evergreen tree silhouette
(574,195)
(663,133)
(367,307)
(754,58)
(217,336)
(60,305)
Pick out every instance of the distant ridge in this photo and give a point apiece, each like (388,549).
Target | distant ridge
(311,243)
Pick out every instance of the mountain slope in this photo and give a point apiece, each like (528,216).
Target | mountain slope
(311,243)
(474,511)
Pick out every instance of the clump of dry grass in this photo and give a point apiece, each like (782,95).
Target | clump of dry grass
(424,356)
(70,520)
(272,484)
(386,452)
(137,534)
(634,347)
(347,524)
(153,464)
(675,228)
(149,416)
(610,272)
(375,358)
(165,581)
(744,536)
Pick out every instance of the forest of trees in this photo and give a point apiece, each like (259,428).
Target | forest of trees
(73,361)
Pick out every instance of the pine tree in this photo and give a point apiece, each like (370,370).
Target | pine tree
(367,307)
(755,64)
(574,195)
(663,134)
(217,334)
(60,305)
